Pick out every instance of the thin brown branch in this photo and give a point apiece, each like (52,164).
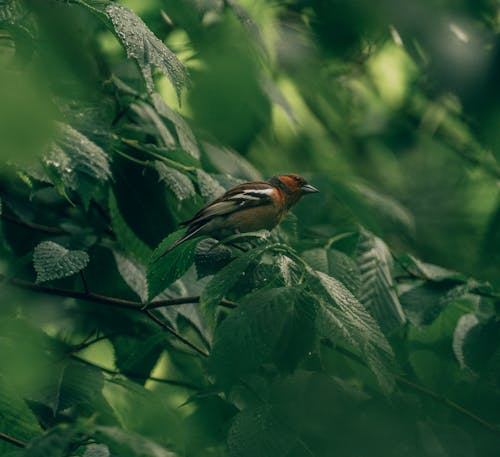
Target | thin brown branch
(425,391)
(116,302)
(170,330)
(34,226)
(186,300)
(173,382)
(12,440)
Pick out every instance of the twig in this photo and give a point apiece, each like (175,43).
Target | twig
(170,330)
(35,226)
(173,382)
(424,390)
(84,282)
(12,440)
(117,302)
(186,300)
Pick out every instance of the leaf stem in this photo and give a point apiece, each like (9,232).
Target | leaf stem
(12,440)
(424,390)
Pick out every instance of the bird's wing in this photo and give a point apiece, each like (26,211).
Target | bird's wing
(240,197)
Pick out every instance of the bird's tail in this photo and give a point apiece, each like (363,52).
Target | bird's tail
(187,236)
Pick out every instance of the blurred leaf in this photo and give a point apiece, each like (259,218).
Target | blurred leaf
(16,419)
(74,162)
(145,48)
(271,325)
(464,325)
(53,261)
(209,187)
(373,209)
(56,442)
(96,450)
(128,240)
(149,117)
(187,140)
(163,270)
(177,182)
(227,161)
(423,302)
(133,274)
(138,356)
(69,384)
(128,444)
(377,289)
(343,318)
(259,432)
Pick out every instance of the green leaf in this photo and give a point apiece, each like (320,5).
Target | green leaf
(270,325)
(187,140)
(128,240)
(429,271)
(177,182)
(53,261)
(343,318)
(209,258)
(337,264)
(75,162)
(371,208)
(69,384)
(209,187)
(16,419)
(424,302)
(228,162)
(130,444)
(260,432)
(377,288)
(96,450)
(149,117)
(56,442)
(145,48)
(134,275)
(224,281)
(465,325)
(164,270)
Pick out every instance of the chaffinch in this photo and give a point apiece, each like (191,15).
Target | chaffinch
(247,207)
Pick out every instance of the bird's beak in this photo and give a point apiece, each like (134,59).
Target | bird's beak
(308,189)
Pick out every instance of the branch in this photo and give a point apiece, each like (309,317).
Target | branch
(12,440)
(170,330)
(117,302)
(424,390)
(35,226)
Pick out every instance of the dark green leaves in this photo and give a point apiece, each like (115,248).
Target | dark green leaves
(16,419)
(145,48)
(163,270)
(53,261)
(342,318)
(377,290)
(260,432)
(270,325)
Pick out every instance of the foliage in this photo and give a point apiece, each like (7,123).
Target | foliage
(367,323)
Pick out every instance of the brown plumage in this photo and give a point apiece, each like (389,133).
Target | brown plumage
(247,207)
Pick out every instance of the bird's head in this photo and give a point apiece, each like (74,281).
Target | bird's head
(293,186)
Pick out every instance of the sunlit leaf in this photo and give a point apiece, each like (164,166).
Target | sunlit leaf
(145,48)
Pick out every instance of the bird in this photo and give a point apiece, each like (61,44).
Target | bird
(246,207)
